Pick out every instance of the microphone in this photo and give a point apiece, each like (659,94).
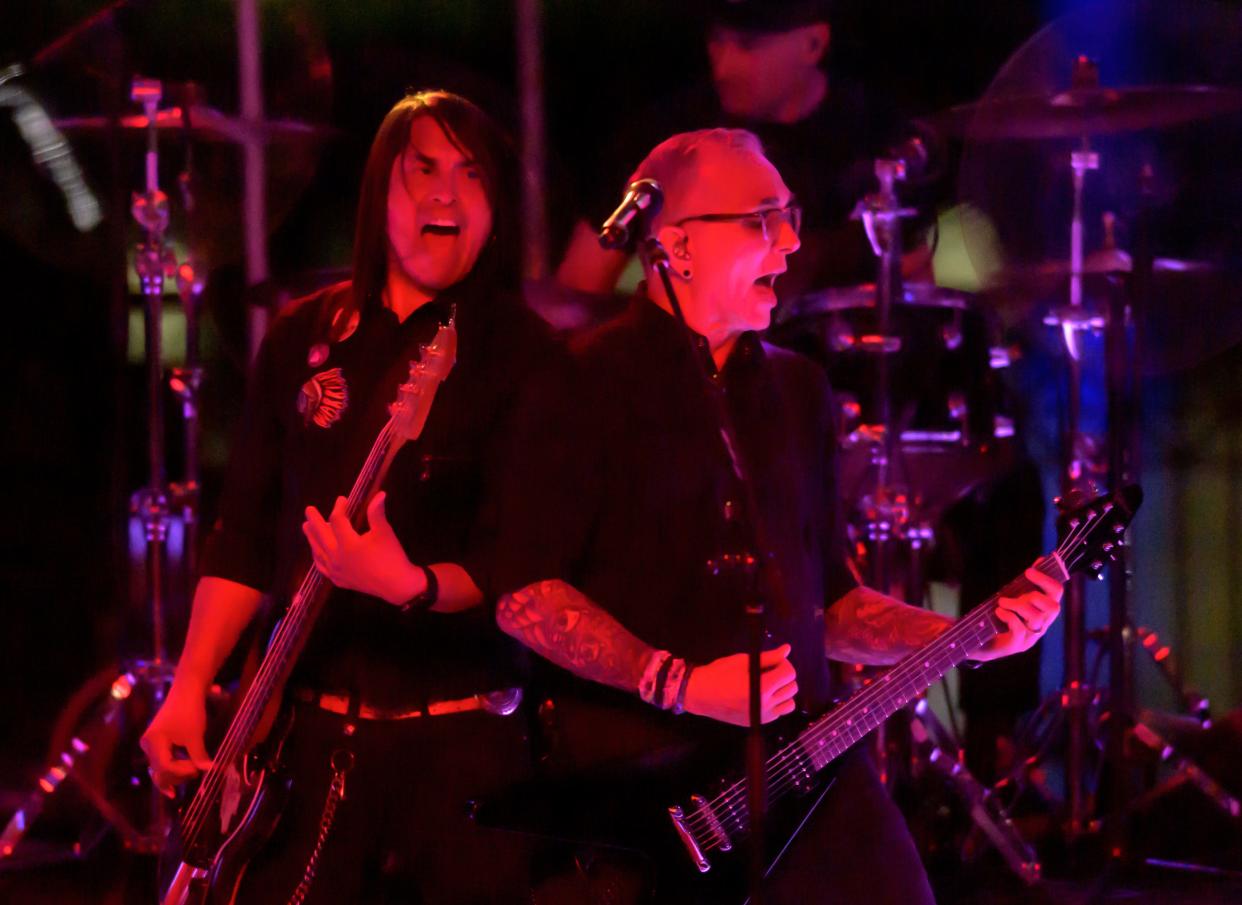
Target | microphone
(642,198)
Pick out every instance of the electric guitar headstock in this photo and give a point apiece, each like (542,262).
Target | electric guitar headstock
(414,397)
(1092,530)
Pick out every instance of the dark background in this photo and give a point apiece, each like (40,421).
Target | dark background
(74,403)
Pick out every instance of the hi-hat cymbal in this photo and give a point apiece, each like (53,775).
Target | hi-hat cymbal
(1087,111)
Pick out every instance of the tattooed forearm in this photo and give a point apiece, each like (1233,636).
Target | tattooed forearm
(868,627)
(559,623)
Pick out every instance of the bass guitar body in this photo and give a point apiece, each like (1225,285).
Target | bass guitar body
(249,808)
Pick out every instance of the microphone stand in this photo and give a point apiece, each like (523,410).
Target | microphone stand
(749,565)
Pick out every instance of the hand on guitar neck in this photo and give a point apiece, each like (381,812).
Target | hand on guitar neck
(868,627)
(371,562)
(374,562)
(1028,616)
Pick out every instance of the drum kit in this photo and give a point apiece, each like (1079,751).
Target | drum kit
(95,780)
(927,420)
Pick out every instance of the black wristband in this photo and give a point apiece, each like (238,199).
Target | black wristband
(430,594)
(657,696)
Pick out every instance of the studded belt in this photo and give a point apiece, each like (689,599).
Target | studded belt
(501,703)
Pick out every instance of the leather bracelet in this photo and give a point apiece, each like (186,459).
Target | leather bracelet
(428,597)
(657,696)
(679,705)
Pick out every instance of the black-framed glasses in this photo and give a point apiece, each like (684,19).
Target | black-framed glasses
(768,220)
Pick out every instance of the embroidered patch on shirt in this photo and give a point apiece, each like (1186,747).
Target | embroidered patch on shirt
(324,398)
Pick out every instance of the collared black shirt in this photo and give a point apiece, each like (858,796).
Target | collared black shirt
(622,484)
(282,461)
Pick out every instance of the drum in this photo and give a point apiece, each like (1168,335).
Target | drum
(946,401)
(941,365)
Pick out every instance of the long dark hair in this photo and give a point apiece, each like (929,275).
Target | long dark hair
(476,135)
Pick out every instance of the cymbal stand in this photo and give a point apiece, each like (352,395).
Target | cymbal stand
(139,680)
(185,383)
(1151,730)
(939,751)
(891,517)
(885,508)
(1074,320)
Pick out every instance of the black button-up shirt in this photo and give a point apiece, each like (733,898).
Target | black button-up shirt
(622,487)
(282,461)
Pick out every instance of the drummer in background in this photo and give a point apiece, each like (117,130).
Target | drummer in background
(769,75)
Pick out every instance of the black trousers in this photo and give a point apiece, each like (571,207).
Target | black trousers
(854,850)
(402,833)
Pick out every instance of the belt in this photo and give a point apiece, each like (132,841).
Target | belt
(501,703)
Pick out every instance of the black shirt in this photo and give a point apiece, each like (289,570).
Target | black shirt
(283,461)
(623,484)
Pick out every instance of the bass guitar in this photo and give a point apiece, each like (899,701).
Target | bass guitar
(239,799)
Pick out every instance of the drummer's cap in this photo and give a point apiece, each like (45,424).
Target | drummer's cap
(767,15)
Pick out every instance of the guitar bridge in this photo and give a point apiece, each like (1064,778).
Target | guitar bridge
(687,838)
(719,839)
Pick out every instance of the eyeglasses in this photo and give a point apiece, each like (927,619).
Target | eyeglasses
(767,221)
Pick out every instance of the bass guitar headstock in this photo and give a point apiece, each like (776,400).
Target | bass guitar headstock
(414,397)
(1092,530)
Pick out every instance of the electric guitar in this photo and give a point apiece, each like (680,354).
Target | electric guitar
(239,800)
(693,845)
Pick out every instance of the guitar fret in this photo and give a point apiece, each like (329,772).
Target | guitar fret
(310,597)
(833,734)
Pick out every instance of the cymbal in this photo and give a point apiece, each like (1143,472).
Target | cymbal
(1086,111)
(862,295)
(204,123)
(1104,261)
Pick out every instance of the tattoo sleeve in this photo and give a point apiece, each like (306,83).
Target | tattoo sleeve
(868,627)
(561,624)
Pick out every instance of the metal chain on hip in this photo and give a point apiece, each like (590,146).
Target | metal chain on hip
(342,763)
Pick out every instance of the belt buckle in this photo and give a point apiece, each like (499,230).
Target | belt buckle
(501,703)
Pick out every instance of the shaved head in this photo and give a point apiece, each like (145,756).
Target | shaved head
(699,171)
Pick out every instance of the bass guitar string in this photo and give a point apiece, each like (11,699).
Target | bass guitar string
(243,724)
(247,717)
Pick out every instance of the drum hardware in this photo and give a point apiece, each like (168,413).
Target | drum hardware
(1087,108)
(1072,320)
(890,519)
(940,752)
(144,679)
